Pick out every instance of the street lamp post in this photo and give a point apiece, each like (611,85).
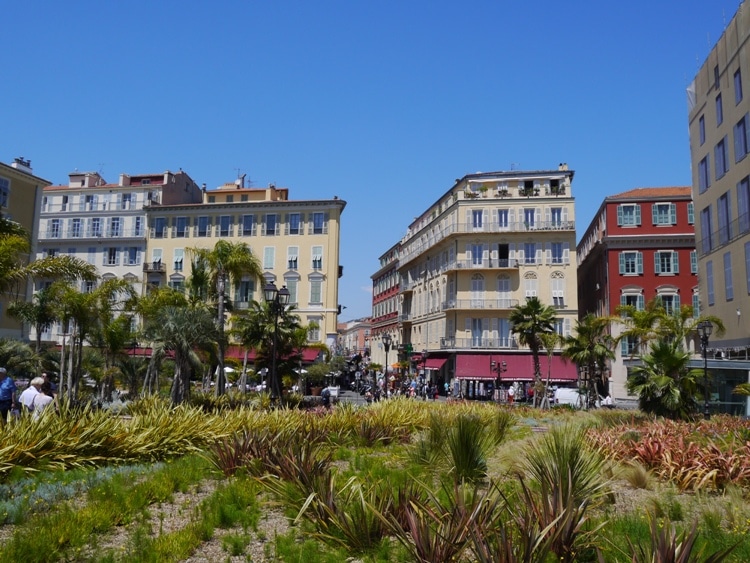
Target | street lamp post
(387,347)
(499,368)
(277,300)
(704,329)
(424,373)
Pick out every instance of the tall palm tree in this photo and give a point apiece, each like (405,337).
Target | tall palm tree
(226,263)
(529,321)
(38,313)
(641,325)
(664,383)
(550,341)
(591,347)
(181,331)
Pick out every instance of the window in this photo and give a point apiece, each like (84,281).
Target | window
(320,226)
(741,141)
(724,212)
(177,282)
(160,227)
(54,228)
(737,87)
(204,226)
(556,253)
(476,251)
(271,225)
(115,227)
(476,219)
(230,199)
(134,256)
(315,291)
(670,302)
(704,174)
(502,218)
(706,241)
(631,263)
(702,129)
(710,281)
(728,286)
(719,111)
(138,227)
(244,197)
(558,292)
(110,257)
(666,262)
(225,226)
(4,192)
(181,226)
(212,199)
(556,214)
(269,256)
(696,305)
(529,253)
(691,213)
(664,214)
(75,228)
(248,225)
(628,215)
(127,201)
(245,290)
(293,224)
(629,346)
(693,262)
(179,257)
(716,76)
(531,287)
(317,257)
(91,258)
(635,300)
(529,215)
(743,205)
(313,335)
(64,205)
(292,285)
(89,286)
(91,202)
(721,157)
(96,227)
(292,256)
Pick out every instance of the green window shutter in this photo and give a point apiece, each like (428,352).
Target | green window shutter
(673,213)
(639,262)
(622,262)
(638,214)
(675,262)
(654,214)
(619,215)
(657,263)
(641,302)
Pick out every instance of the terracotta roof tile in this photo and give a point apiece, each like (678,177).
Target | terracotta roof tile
(648,193)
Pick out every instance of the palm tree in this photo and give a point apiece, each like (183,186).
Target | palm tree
(38,313)
(550,341)
(226,263)
(529,321)
(664,383)
(641,325)
(591,348)
(181,331)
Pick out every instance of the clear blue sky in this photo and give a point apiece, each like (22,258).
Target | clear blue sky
(380,102)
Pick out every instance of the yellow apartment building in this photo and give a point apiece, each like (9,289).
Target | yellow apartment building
(20,201)
(296,242)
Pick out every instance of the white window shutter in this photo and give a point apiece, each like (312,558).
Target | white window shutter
(566,253)
(565,214)
(468,252)
(538,215)
(511,252)
(538,254)
(548,253)
(547,215)
(512,219)
(485,251)
(519,253)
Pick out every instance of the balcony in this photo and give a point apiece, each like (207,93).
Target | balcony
(156,267)
(480,304)
(452,343)
(724,235)
(404,318)
(486,264)
(84,234)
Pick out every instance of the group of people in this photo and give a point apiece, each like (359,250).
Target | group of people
(32,401)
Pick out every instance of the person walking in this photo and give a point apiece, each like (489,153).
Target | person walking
(511,393)
(28,395)
(7,395)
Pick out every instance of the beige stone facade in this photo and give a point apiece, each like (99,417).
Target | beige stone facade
(296,242)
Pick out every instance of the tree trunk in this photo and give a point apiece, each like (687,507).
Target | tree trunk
(220,376)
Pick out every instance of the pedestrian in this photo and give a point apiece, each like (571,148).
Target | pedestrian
(26,399)
(7,395)
(511,394)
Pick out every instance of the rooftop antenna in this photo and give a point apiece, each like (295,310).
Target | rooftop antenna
(513,165)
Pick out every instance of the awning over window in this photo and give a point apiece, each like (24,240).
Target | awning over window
(520,367)
(435,363)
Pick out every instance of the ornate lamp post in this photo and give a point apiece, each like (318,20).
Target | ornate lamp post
(425,353)
(277,300)
(499,368)
(705,328)
(386,338)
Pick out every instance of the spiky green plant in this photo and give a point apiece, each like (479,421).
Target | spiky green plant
(669,546)
(467,444)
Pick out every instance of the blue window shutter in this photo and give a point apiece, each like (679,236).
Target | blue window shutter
(641,302)
(639,262)
(619,215)
(622,262)
(747,131)
(737,144)
(638,214)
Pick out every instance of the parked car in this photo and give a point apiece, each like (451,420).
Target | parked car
(568,396)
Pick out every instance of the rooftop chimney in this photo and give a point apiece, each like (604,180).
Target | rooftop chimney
(22,165)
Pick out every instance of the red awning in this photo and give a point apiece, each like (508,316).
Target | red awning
(520,367)
(309,355)
(435,363)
